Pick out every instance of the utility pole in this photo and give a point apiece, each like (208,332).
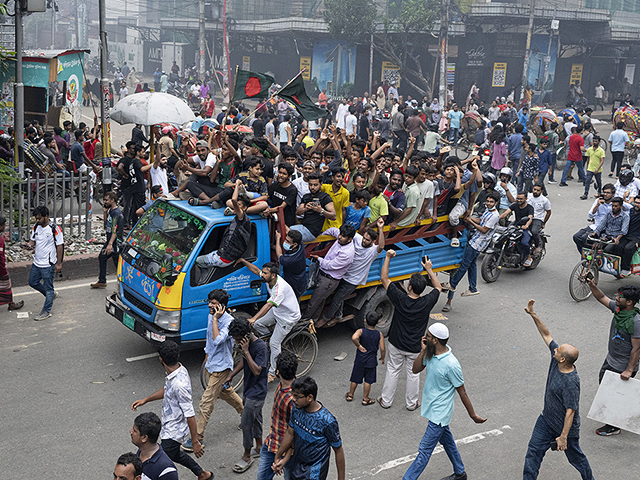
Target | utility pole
(104,87)
(201,41)
(444,46)
(53,25)
(77,14)
(18,110)
(372,93)
(527,54)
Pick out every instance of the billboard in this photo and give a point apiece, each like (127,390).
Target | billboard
(542,67)
(333,65)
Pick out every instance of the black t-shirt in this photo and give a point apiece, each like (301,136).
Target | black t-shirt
(446,202)
(410,318)
(279,195)
(314,221)
(562,392)
(521,213)
(133,169)
(255,387)
(364,125)
(294,269)
(258,128)
(235,239)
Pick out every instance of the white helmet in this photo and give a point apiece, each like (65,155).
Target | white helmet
(506,171)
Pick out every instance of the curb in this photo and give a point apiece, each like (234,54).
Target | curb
(74,267)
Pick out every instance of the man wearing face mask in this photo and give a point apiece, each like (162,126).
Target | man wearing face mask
(292,259)
(282,309)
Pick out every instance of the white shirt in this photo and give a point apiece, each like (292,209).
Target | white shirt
(362,259)
(341,114)
(286,308)
(350,124)
(159,177)
(540,206)
(123,92)
(599,91)
(426,193)
(303,189)
(567,128)
(282,132)
(45,254)
(494,113)
(177,406)
(210,161)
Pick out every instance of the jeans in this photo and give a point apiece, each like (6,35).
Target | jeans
(541,177)
(536,228)
(453,135)
(468,266)
(251,422)
(626,248)
(616,161)
(103,258)
(41,279)
(307,236)
(540,442)
(343,291)
(553,166)
(565,172)
(525,184)
(131,202)
(399,140)
(580,237)
(326,286)
(524,247)
(215,390)
(587,182)
(264,465)
(280,331)
(515,162)
(172,449)
(396,359)
(433,435)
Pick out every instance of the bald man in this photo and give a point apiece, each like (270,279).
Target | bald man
(558,427)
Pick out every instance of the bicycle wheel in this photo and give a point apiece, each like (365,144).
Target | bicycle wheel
(578,288)
(305,347)
(604,144)
(463,149)
(237,380)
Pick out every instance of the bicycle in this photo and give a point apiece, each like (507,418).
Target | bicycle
(594,260)
(301,341)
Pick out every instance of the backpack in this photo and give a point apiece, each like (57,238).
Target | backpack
(53,227)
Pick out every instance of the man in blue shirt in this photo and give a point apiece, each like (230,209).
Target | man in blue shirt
(558,426)
(444,378)
(313,431)
(600,208)
(617,139)
(614,225)
(219,363)
(514,145)
(156,464)
(455,116)
(628,245)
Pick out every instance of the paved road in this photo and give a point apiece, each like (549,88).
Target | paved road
(68,386)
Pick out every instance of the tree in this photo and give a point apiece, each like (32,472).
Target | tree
(400,36)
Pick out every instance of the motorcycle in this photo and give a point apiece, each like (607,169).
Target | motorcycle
(503,252)
(485,157)
(177,89)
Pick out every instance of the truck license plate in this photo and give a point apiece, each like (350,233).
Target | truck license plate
(128,320)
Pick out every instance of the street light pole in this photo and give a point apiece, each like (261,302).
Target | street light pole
(104,86)
(18,109)
(201,41)
(527,54)
(444,43)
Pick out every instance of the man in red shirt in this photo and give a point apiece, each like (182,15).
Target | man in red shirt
(286,367)
(322,98)
(574,157)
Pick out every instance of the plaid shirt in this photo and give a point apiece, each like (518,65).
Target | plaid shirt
(282,406)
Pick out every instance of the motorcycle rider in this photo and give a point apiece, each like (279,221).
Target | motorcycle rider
(614,224)
(506,189)
(541,213)
(524,217)
(601,206)
(625,186)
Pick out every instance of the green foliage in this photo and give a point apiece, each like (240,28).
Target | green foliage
(411,16)
(346,90)
(8,176)
(352,20)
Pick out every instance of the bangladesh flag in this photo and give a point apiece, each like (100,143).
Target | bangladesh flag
(295,94)
(250,85)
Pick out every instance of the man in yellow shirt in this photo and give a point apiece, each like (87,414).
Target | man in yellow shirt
(595,154)
(339,195)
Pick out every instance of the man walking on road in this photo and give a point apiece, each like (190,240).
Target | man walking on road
(624,337)
(558,426)
(218,364)
(178,417)
(156,465)
(48,241)
(618,140)
(444,378)
(410,319)
(114,227)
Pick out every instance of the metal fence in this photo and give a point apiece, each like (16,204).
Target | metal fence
(68,198)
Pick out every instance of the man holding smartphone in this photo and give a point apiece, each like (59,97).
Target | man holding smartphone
(558,426)
(315,207)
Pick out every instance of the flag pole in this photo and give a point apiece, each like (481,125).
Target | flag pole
(272,96)
(235,80)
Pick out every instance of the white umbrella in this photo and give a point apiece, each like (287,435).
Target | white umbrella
(151,108)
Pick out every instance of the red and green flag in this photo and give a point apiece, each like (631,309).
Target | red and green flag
(295,94)
(251,85)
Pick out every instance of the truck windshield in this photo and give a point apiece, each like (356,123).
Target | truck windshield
(166,229)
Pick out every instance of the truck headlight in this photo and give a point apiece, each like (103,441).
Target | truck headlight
(168,320)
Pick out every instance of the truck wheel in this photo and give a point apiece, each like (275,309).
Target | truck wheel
(305,347)
(379,303)
(490,269)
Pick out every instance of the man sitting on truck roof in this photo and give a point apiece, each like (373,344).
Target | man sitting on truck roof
(315,207)
(235,239)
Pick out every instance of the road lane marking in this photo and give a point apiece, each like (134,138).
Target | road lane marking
(410,458)
(142,357)
(67,287)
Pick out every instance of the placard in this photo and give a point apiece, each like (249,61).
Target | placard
(616,402)
(305,62)
(391,73)
(246,63)
(576,74)
(499,77)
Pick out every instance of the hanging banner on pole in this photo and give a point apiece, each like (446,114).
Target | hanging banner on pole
(246,63)
(451,73)
(305,63)
(499,77)
(391,73)
(576,74)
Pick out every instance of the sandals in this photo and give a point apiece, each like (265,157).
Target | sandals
(446,286)
(348,397)
(194,201)
(368,401)
(446,308)
(241,466)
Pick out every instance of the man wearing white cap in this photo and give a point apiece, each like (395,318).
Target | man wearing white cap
(444,377)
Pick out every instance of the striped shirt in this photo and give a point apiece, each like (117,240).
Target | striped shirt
(282,405)
(479,241)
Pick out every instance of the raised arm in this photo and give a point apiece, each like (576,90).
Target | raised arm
(542,328)
(598,294)
(384,274)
